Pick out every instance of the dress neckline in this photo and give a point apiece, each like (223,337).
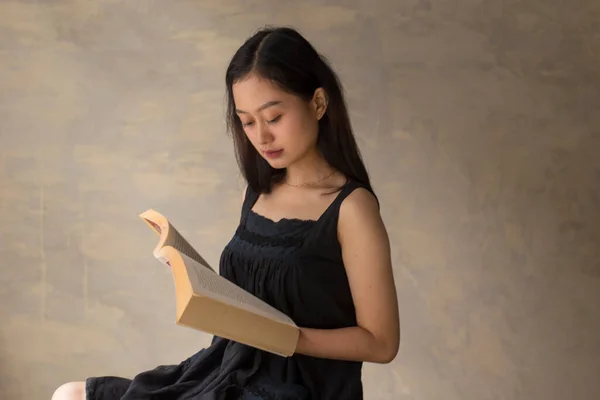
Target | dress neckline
(300,220)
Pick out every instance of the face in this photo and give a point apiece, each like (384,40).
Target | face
(282,127)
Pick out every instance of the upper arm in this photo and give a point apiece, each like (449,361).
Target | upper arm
(367,259)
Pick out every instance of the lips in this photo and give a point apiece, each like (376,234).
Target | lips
(272,153)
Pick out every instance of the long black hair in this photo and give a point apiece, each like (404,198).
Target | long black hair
(284,57)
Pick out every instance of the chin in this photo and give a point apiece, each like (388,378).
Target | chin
(278,164)
(279,161)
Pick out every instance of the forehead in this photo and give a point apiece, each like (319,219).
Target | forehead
(251,93)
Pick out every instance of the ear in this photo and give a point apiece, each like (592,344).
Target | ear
(319,102)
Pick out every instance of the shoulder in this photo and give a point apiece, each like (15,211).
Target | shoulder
(360,200)
(359,215)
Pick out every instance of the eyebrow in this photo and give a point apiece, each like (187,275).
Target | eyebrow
(266,105)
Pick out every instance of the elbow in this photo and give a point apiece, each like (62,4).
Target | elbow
(387,352)
(387,356)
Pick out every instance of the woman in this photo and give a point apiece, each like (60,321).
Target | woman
(310,242)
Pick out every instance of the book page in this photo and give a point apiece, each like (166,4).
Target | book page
(178,242)
(215,286)
(154,225)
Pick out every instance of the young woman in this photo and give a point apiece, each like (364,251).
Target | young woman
(310,242)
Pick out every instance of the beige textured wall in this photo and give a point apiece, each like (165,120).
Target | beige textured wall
(479,121)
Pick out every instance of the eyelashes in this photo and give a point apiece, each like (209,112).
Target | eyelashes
(272,121)
(277,118)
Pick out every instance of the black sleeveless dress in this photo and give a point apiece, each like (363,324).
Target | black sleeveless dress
(294,265)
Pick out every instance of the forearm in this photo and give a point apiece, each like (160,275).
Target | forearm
(351,344)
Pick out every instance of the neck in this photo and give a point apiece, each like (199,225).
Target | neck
(310,169)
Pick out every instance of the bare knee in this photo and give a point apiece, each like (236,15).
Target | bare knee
(70,391)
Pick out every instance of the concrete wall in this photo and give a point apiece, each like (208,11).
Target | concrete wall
(479,121)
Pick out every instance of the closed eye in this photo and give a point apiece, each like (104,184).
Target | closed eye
(277,118)
(247,124)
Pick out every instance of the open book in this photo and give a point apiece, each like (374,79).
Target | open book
(210,303)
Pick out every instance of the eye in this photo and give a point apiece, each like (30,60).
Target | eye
(277,118)
(247,124)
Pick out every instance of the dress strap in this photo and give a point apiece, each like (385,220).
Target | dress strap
(345,191)
(324,239)
(249,200)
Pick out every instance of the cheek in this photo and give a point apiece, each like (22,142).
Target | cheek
(298,129)
(252,138)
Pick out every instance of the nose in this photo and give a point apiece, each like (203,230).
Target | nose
(263,134)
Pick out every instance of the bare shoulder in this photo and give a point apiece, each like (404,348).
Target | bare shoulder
(360,218)
(361,198)
(359,207)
